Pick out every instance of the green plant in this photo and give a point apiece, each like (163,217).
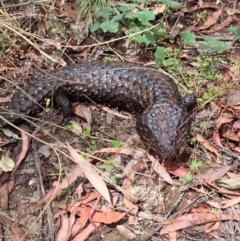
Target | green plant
(160,55)
(94,143)
(235,31)
(215,211)
(110,58)
(57,53)
(100,137)
(202,16)
(62,31)
(192,141)
(185,179)
(108,166)
(204,62)
(202,124)
(234,61)
(4,42)
(211,44)
(87,131)
(206,74)
(68,190)
(211,75)
(116,144)
(58,28)
(122,18)
(86,8)
(113,178)
(208,95)
(195,165)
(172,4)
(74,127)
(47,102)
(188,38)
(92,146)
(167,57)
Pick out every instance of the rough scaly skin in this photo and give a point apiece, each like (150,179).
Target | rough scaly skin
(163,121)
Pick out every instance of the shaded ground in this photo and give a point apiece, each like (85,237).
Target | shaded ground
(48,196)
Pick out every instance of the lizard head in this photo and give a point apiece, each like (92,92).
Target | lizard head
(165,128)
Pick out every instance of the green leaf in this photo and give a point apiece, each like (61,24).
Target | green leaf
(207,95)
(161,32)
(150,37)
(116,144)
(113,178)
(104,13)
(95,26)
(100,136)
(125,7)
(141,39)
(185,179)
(192,141)
(117,17)
(235,31)
(138,37)
(142,16)
(202,124)
(172,4)
(188,37)
(110,26)
(160,55)
(87,131)
(141,1)
(215,211)
(109,165)
(48,101)
(134,29)
(195,165)
(211,44)
(110,58)
(170,62)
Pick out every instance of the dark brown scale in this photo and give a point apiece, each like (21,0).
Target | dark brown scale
(163,120)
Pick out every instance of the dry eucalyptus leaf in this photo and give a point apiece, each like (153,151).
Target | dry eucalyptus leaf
(207,145)
(5,99)
(7,164)
(230,135)
(236,124)
(9,133)
(87,113)
(225,118)
(231,184)
(234,97)
(76,128)
(125,232)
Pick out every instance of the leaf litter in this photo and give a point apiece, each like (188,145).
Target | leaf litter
(77,219)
